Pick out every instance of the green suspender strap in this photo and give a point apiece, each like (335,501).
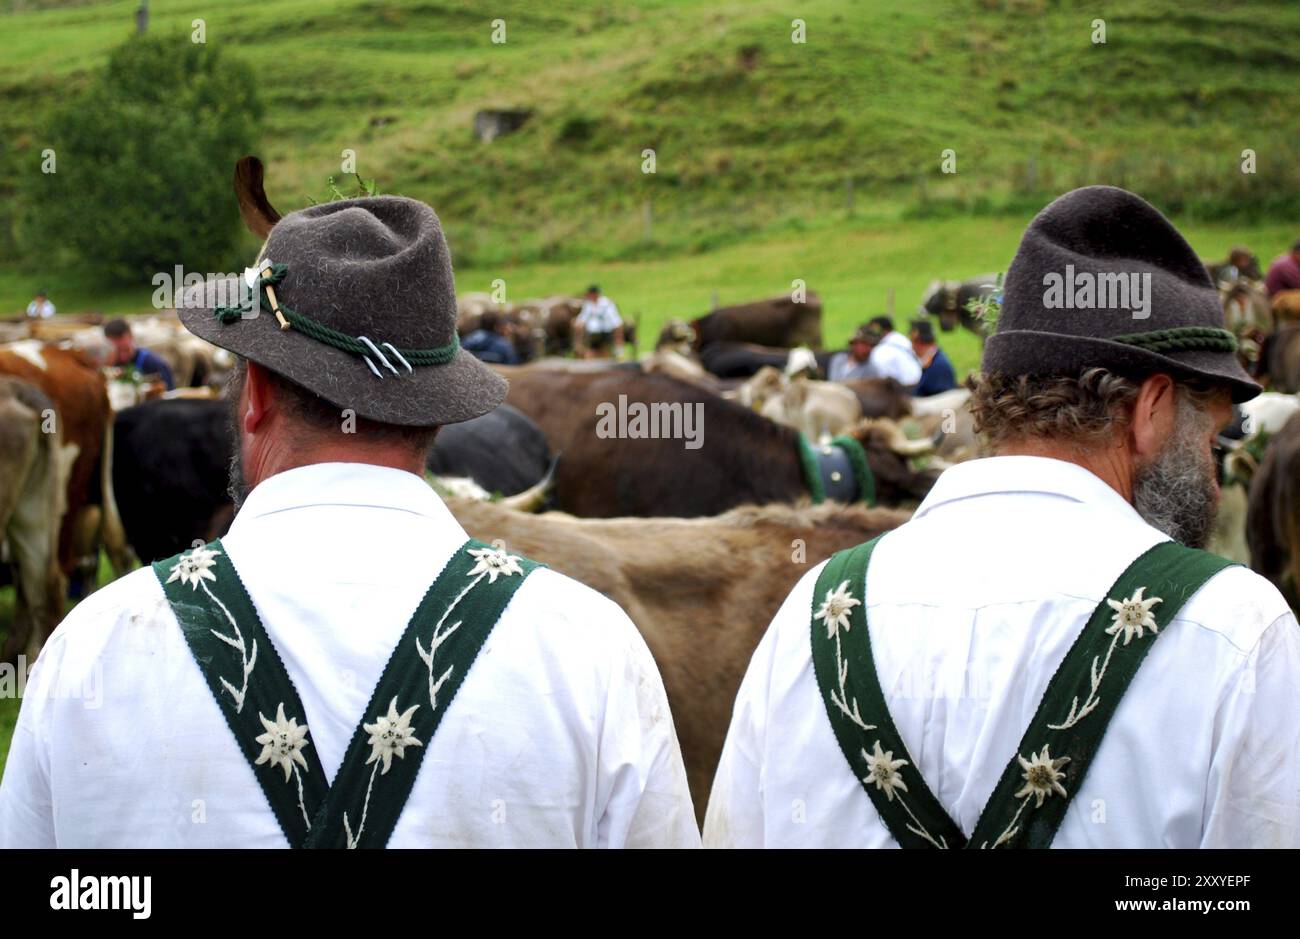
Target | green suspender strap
(255,695)
(1030,800)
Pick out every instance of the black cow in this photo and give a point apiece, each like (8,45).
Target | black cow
(503,451)
(171,464)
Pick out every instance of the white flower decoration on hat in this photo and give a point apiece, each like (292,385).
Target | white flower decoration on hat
(1133,615)
(835,610)
(391,734)
(283,742)
(493,562)
(194,567)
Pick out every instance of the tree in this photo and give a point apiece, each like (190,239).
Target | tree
(144,162)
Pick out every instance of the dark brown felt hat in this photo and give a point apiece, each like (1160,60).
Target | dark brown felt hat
(366,289)
(1104,235)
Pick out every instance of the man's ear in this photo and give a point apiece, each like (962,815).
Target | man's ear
(1154,413)
(257,398)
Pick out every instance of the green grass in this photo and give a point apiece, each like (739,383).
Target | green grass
(756,137)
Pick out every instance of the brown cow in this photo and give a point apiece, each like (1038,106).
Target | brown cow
(73,381)
(33,467)
(1281,359)
(1273,513)
(780,321)
(701,591)
(737,458)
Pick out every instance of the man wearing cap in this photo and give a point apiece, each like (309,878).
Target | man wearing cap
(598,327)
(937,374)
(852,364)
(346,668)
(1042,656)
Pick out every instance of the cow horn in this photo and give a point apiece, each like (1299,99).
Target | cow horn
(255,209)
(899,442)
(534,497)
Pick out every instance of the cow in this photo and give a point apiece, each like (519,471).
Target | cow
(781,322)
(1281,359)
(742,458)
(948,299)
(881,397)
(816,408)
(700,591)
(502,451)
(1273,513)
(33,472)
(743,360)
(74,383)
(170,474)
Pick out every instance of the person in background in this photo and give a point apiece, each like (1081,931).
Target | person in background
(126,352)
(1240,265)
(40,307)
(892,356)
(1284,272)
(847,366)
(936,370)
(488,343)
(598,327)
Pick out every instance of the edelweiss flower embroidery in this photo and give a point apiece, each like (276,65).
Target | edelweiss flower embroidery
(283,742)
(494,563)
(1042,776)
(884,771)
(1133,615)
(390,735)
(194,567)
(835,610)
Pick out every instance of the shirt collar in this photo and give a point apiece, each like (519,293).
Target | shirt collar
(1014,474)
(358,484)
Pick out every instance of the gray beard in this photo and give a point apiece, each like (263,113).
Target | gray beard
(1175,492)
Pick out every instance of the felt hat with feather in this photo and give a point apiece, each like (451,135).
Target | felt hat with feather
(354,300)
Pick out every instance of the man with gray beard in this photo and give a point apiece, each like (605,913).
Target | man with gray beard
(1042,656)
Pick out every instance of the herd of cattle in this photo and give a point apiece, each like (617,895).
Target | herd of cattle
(699,545)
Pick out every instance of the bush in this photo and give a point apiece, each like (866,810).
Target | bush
(145,159)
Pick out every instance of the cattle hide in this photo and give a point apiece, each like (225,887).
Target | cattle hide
(503,451)
(1273,513)
(777,321)
(701,591)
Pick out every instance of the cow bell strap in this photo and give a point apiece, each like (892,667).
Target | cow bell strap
(1030,800)
(838,470)
(855,704)
(252,689)
(257,698)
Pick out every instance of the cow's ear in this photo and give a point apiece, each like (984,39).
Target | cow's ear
(258,213)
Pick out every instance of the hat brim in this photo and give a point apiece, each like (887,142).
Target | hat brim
(428,396)
(1059,354)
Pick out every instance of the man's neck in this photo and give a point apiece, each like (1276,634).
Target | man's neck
(279,458)
(1110,464)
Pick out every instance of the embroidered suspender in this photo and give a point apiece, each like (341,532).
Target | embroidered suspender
(249,682)
(1030,800)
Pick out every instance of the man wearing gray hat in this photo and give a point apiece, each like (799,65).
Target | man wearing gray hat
(1042,656)
(346,668)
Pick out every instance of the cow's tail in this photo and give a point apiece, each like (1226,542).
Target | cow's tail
(111,531)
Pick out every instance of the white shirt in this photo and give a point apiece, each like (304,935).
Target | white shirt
(43,310)
(892,357)
(971,607)
(600,316)
(559,736)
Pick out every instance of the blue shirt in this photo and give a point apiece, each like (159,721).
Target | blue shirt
(150,363)
(937,376)
(490,347)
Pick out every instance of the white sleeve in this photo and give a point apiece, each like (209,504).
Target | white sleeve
(1253,790)
(647,800)
(26,800)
